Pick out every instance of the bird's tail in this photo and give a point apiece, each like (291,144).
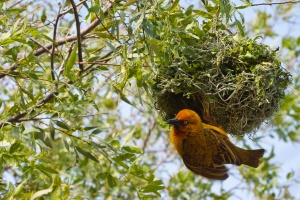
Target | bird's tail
(251,157)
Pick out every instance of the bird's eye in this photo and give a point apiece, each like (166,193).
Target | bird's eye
(185,122)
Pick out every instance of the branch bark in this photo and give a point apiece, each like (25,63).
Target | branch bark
(71,38)
(64,40)
(40,103)
(78,35)
(274,3)
(18,117)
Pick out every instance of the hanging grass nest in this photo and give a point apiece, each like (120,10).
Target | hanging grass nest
(233,84)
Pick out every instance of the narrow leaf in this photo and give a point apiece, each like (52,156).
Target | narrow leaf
(52,130)
(86,154)
(41,193)
(174,5)
(15,146)
(129,136)
(110,45)
(102,175)
(122,96)
(31,130)
(72,59)
(133,149)
(62,125)
(45,168)
(111,181)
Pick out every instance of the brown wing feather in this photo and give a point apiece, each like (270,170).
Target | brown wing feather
(212,172)
(224,151)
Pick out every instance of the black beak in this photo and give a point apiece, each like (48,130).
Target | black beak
(173,121)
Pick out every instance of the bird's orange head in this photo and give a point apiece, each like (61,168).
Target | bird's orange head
(186,121)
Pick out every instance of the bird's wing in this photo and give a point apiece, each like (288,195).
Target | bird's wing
(224,152)
(218,172)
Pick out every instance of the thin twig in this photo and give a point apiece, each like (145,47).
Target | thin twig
(36,42)
(78,35)
(68,10)
(99,63)
(108,31)
(53,46)
(294,89)
(13,5)
(91,115)
(71,38)
(104,57)
(40,103)
(33,119)
(42,118)
(274,3)
(61,68)
(148,136)
(63,40)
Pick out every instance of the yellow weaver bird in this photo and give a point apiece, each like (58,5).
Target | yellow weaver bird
(205,149)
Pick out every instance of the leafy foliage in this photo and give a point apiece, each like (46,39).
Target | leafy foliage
(76,128)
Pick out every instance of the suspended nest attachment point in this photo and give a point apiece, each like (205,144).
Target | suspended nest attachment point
(233,84)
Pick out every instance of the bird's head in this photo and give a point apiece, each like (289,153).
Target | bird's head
(186,121)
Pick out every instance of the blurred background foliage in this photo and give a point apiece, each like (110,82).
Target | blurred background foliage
(78,120)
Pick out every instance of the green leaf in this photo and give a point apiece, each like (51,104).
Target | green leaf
(86,154)
(66,145)
(119,161)
(242,6)
(102,175)
(140,20)
(130,2)
(174,5)
(44,16)
(62,125)
(115,143)
(290,175)
(41,193)
(154,187)
(240,27)
(31,130)
(105,35)
(203,14)
(122,96)
(52,129)
(110,45)
(129,136)
(111,181)
(15,146)
(19,188)
(133,149)
(46,169)
(96,131)
(70,63)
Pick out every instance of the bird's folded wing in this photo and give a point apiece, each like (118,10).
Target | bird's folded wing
(226,152)
(217,172)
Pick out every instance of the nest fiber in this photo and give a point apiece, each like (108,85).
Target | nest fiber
(233,84)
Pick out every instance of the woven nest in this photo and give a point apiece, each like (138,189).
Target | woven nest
(236,85)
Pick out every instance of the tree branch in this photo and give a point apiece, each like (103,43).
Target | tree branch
(64,40)
(274,3)
(54,92)
(36,42)
(148,136)
(40,103)
(70,38)
(99,63)
(53,46)
(78,35)
(68,10)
